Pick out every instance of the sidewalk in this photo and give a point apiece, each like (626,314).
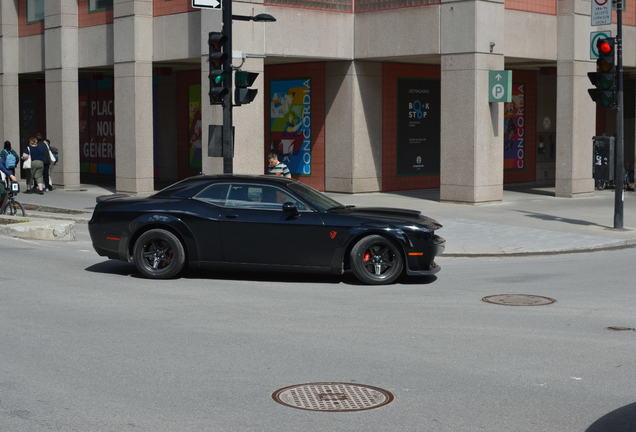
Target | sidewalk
(527,221)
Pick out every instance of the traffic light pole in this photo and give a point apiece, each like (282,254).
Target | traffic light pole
(620,111)
(228,138)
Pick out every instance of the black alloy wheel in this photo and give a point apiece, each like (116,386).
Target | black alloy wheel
(376,260)
(159,254)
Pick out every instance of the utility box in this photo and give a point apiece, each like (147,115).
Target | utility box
(603,158)
(217,147)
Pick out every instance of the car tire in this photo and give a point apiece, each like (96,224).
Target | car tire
(376,260)
(159,254)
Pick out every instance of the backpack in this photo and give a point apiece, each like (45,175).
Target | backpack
(10,161)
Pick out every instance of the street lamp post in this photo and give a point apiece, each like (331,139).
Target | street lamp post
(227,135)
(619,173)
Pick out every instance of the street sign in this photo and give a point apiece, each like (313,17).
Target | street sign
(594,36)
(206,4)
(601,12)
(500,86)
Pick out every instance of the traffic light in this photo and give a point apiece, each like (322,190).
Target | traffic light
(604,79)
(218,75)
(242,80)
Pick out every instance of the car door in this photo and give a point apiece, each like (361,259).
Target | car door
(255,230)
(205,222)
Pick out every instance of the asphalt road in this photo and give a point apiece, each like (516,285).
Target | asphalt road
(86,345)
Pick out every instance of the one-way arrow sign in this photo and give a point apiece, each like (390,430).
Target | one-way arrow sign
(209,4)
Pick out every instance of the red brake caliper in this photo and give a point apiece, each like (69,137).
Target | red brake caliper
(367,257)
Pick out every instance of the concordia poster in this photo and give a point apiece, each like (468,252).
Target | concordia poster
(290,123)
(514,129)
(418,127)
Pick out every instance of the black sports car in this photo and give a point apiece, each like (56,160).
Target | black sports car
(262,222)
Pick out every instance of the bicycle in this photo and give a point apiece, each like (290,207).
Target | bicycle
(11,206)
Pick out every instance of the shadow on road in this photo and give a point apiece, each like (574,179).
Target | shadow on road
(548,217)
(620,420)
(113,267)
(122,268)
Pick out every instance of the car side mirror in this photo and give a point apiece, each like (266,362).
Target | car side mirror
(290,209)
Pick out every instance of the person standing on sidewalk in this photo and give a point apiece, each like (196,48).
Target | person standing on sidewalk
(9,157)
(26,169)
(38,153)
(47,165)
(276,167)
(5,173)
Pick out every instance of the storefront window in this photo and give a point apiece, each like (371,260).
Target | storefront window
(35,11)
(99,5)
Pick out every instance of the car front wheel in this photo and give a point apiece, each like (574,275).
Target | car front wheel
(159,254)
(376,260)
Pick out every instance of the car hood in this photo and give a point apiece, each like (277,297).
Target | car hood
(391,215)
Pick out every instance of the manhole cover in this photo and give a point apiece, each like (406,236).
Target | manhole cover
(618,328)
(332,396)
(518,300)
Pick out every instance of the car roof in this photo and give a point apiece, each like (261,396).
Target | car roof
(191,185)
(245,177)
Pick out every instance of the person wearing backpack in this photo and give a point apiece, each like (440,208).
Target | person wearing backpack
(5,173)
(9,157)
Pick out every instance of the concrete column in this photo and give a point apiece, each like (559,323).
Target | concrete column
(576,113)
(133,50)
(353,127)
(9,94)
(472,128)
(61,78)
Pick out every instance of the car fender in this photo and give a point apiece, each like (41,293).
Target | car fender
(171,223)
(356,233)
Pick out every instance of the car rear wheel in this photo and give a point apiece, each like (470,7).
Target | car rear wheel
(159,254)
(376,260)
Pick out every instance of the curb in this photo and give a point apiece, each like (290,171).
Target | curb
(43,229)
(58,216)
(624,244)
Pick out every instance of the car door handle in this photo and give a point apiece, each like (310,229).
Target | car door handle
(231,216)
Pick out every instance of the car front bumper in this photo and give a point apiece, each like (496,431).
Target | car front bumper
(423,265)
(432,269)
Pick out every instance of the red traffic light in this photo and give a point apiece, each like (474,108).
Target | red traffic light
(604,47)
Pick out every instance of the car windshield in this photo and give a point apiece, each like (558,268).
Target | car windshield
(319,200)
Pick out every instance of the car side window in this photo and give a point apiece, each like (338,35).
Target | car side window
(259,197)
(214,194)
